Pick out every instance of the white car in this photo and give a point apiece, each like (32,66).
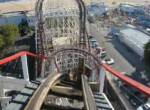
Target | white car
(103,52)
(148,29)
(144,107)
(108,61)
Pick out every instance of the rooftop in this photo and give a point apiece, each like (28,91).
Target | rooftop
(135,36)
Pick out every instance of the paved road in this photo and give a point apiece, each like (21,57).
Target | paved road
(125,59)
(121,63)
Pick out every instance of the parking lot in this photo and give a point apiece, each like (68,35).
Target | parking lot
(125,60)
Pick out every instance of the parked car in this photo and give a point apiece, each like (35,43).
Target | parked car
(135,97)
(91,18)
(90,37)
(109,61)
(100,50)
(144,106)
(93,43)
(103,54)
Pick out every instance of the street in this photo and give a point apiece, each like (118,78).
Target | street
(125,59)
(121,63)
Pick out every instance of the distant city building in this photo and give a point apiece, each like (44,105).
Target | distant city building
(17,17)
(131,9)
(14,11)
(99,9)
(144,21)
(134,39)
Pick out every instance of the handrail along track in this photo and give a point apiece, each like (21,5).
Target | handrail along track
(88,95)
(39,96)
(53,77)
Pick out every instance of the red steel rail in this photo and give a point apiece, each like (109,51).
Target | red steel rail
(144,89)
(18,55)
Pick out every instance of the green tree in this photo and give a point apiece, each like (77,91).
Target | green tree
(1,41)
(9,32)
(24,27)
(147,54)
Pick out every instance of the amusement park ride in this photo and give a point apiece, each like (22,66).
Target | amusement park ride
(65,65)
